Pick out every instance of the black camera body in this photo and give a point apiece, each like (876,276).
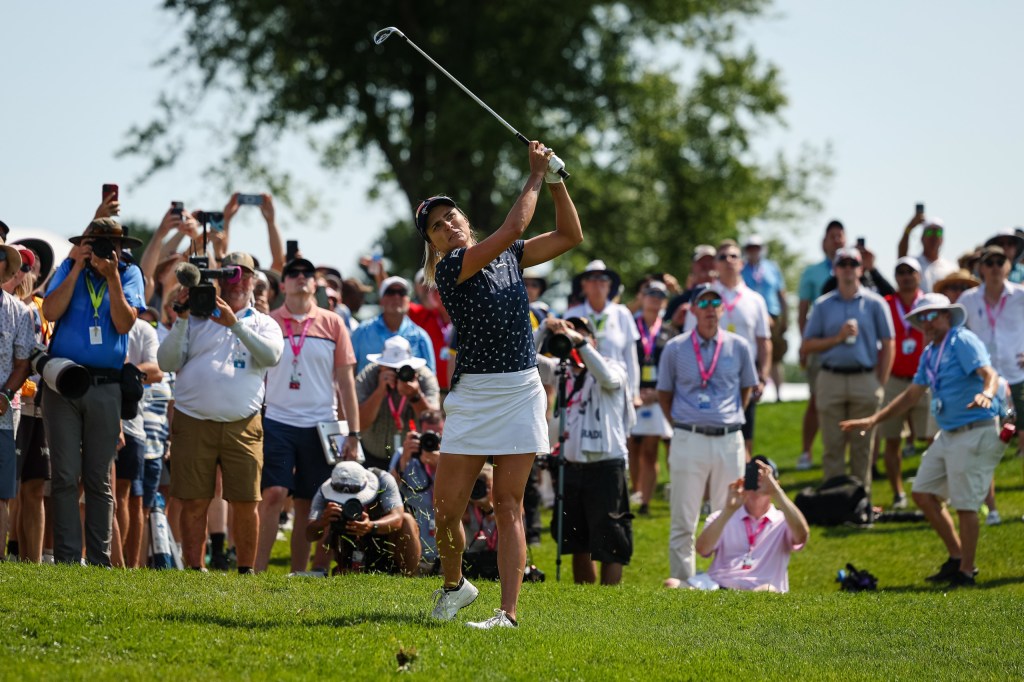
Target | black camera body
(559,345)
(351,510)
(479,491)
(202,296)
(430,441)
(102,247)
(406,373)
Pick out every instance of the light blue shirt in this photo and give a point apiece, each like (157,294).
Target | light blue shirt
(766,279)
(678,374)
(813,279)
(371,335)
(957,380)
(874,323)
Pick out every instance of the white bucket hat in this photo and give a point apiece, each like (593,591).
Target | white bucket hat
(930,302)
(350,480)
(397,353)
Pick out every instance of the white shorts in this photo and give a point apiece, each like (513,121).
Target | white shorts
(650,421)
(496,414)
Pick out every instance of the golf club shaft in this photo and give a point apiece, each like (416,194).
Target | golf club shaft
(519,136)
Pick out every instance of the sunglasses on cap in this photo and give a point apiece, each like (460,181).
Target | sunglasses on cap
(715,302)
(932,232)
(291,274)
(848,263)
(995,261)
(346,488)
(928,316)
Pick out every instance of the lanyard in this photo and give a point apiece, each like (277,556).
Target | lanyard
(931,369)
(757,272)
(95,297)
(903,311)
(296,347)
(705,374)
(999,311)
(490,540)
(751,533)
(396,414)
(648,336)
(729,307)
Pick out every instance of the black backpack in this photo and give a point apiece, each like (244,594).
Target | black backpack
(839,500)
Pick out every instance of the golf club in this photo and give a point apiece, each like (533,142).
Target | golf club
(555,164)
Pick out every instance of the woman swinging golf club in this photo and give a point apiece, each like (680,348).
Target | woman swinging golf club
(496,405)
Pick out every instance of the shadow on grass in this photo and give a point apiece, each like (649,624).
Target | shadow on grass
(940,588)
(348,620)
(877,529)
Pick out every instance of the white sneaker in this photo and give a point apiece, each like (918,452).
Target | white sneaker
(315,573)
(500,619)
(447,603)
(899,502)
(804,462)
(636,498)
(993,518)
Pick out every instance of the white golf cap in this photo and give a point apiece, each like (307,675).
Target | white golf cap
(910,262)
(392,281)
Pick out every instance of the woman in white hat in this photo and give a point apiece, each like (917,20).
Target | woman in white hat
(497,404)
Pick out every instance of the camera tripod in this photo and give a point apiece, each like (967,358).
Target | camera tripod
(563,376)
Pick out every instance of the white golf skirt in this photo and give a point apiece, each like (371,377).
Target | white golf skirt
(496,414)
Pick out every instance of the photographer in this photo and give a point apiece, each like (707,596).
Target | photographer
(220,362)
(751,537)
(15,345)
(599,416)
(93,299)
(392,390)
(480,559)
(414,468)
(358,513)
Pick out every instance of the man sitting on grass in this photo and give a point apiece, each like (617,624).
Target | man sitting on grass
(751,538)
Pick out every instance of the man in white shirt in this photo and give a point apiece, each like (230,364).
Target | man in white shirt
(933,266)
(744,312)
(220,362)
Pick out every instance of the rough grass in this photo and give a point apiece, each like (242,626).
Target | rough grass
(71,622)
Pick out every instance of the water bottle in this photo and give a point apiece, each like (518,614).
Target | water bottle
(358,557)
(377,255)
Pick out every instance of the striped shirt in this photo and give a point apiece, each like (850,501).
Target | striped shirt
(678,374)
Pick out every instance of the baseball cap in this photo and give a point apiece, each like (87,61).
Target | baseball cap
(656,288)
(296,264)
(27,257)
(242,260)
(753,240)
(910,262)
(847,252)
(420,215)
(702,250)
(702,290)
(392,281)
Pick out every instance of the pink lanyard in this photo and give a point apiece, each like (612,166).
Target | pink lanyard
(757,272)
(903,312)
(729,307)
(992,318)
(931,369)
(492,539)
(396,414)
(705,374)
(296,347)
(648,336)
(751,534)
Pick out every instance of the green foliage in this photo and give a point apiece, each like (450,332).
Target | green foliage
(661,160)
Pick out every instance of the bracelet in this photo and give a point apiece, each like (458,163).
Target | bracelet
(990,398)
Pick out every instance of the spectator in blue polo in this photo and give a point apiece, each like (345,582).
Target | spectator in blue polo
(93,300)
(392,321)
(764,276)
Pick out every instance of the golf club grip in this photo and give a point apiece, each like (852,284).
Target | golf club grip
(564,173)
(561,171)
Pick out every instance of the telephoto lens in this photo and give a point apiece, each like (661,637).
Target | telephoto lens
(430,441)
(406,373)
(479,489)
(560,346)
(102,247)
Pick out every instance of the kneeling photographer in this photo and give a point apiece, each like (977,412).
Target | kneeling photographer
(599,416)
(358,513)
(414,469)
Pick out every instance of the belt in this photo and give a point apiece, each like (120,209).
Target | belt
(847,370)
(616,463)
(708,430)
(909,377)
(975,425)
(104,375)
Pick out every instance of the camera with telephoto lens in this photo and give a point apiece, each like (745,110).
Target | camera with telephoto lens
(69,379)
(351,510)
(202,296)
(406,373)
(559,345)
(479,489)
(430,441)
(102,247)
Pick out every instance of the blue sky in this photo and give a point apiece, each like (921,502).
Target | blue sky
(920,101)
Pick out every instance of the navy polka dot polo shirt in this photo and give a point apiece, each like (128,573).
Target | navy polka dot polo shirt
(491,312)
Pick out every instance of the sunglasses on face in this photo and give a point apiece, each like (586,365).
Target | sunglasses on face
(728,256)
(957,287)
(597,278)
(928,316)
(395,292)
(848,263)
(904,271)
(292,274)
(932,232)
(709,302)
(995,261)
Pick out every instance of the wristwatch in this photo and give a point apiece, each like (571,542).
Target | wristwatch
(374,531)
(354,434)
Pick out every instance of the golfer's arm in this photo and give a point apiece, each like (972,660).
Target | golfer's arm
(568,231)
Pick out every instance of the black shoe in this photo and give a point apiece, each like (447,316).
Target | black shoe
(219,562)
(947,571)
(644,510)
(963,580)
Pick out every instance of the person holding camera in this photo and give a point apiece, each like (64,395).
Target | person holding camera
(414,467)
(17,338)
(753,536)
(302,391)
(959,464)
(358,513)
(93,299)
(599,416)
(480,560)
(497,404)
(220,362)
(705,380)
(392,391)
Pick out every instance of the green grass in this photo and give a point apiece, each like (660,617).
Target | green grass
(72,622)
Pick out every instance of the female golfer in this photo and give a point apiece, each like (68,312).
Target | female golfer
(496,404)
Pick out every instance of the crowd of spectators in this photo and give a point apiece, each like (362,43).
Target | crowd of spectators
(212,402)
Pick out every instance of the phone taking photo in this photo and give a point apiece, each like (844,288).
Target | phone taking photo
(110,191)
(250,199)
(177,207)
(291,250)
(216,219)
(751,476)
(919,208)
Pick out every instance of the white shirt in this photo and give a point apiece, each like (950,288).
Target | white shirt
(142,346)
(219,369)
(616,336)
(600,415)
(1006,340)
(933,271)
(744,312)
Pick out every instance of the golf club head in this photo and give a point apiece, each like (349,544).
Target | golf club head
(385,33)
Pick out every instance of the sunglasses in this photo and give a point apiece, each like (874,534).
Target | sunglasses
(597,278)
(347,488)
(956,287)
(291,274)
(905,271)
(395,292)
(728,256)
(932,232)
(848,263)
(928,316)
(995,261)
(713,302)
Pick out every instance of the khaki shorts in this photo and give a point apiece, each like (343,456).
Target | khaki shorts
(919,416)
(813,367)
(959,466)
(200,445)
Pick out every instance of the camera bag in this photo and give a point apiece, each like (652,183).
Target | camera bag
(839,500)
(132,389)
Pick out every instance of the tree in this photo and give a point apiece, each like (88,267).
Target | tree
(658,165)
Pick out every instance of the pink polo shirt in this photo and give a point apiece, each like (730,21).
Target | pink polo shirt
(770,555)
